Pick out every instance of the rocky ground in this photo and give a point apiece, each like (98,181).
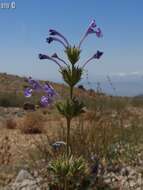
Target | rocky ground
(125,177)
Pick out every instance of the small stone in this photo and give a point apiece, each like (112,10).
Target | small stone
(107,180)
(124,172)
(132,183)
(23,174)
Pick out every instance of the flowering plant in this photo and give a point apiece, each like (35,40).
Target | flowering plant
(46,89)
(71,73)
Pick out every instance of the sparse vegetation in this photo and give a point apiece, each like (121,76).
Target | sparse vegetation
(110,131)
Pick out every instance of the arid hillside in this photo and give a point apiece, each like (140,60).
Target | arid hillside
(110,129)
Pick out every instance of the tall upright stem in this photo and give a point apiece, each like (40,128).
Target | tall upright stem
(71,87)
(71,92)
(68,136)
(69,123)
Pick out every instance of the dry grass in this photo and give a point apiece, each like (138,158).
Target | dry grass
(93,133)
(111,129)
(5,151)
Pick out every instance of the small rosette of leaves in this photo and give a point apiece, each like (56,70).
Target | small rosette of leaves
(70,108)
(72,170)
(71,75)
(73,54)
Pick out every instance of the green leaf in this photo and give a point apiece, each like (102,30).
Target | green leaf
(70,108)
(71,75)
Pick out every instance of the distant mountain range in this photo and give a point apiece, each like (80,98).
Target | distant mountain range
(131,85)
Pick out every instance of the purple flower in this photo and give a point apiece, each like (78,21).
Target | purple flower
(91,30)
(91,27)
(49,90)
(54,33)
(43,56)
(28,92)
(98,54)
(44,101)
(51,39)
(99,33)
(92,24)
(35,84)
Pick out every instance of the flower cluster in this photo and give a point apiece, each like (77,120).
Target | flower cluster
(54,35)
(47,89)
(92,29)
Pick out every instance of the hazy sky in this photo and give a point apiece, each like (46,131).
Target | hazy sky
(23,31)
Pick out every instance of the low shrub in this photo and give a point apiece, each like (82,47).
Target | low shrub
(11,124)
(33,123)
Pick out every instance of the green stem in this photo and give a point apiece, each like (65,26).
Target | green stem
(71,87)
(68,136)
(69,124)
(71,92)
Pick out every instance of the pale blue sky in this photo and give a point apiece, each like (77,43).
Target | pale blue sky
(23,32)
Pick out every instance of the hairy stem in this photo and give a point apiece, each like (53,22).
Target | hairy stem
(71,87)
(71,93)
(69,122)
(68,136)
